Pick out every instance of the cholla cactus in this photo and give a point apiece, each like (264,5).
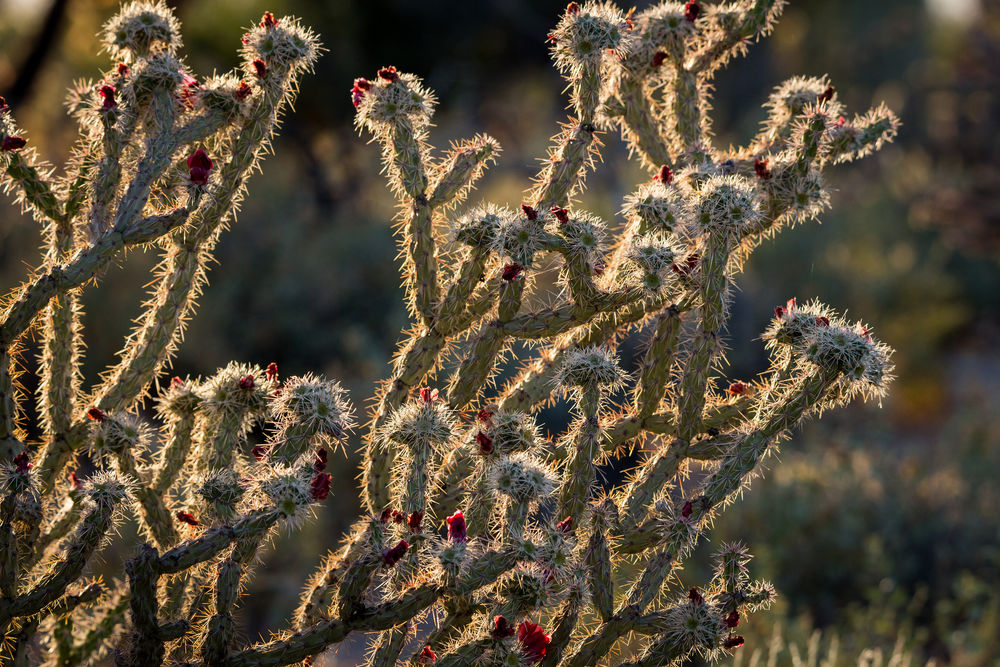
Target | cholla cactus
(491,540)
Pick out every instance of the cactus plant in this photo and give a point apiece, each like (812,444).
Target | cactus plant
(481,541)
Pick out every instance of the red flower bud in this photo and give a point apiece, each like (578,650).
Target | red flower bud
(512,272)
(665,175)
(272,371)
(3,102)
(733,619)
(108,93)
(319,463)
(534,642)
(760,168)
(826,95)
(259,452)
(822,321)
(658,58)
(414,521)
(361,86)
(864,333)
(247,382)
(529,212)
(385,515)
(319,489)
(691,10)
(199,165)
(268,21)
(457,529)
(176,382)
(97,415)
(734,641)
(687,510)
(123,69)
(561,215)
(243,91)
(599,267)
(11,143)
(426,656)
(485,443)
(737,388)
(484,416)
(397,516)
(690,264)
(501,628)
(572,8)
(74,482)
(260,68)
(389,74)
(695,596)
(392,556)
(552,38)
(187,517)
(21,463)
(565,526)
(428,395)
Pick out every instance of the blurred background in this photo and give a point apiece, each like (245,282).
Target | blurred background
(880,527)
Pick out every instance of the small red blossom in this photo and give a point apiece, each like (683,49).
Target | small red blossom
(428,395)
(691,10)
(187,517)
(864,333)
(561,214)
(260,68)
(485,443)
(552,38)
(319,488)
(268,21)
(822,321)
(733,641)
(573,8)
(3,102)
(687,510)
(529,212)
(737,388)
(11,143)
(841,121)
(501,628)
(665,175)
(21,463)
(414,521)
(534,642)
(189,88)
(787,311)
(361,86)
(259,452)
(695,596)
(319,463)
(457,529)
(243,91)
(108,93)
(247,382)
(658,58)
(389,74)
(272,371)
(512,272)
(760,168)
(392,556)
(733,619)
(484,416)
(74,482)
(176,382)
(398,517)
(826,95)
(599,267)
(385,515)
(245,39)
(199,166)
(123,69)
(97,415)
(565,526)
(426,656)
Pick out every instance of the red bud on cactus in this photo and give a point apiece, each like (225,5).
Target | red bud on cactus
(319,489)
(565,526)
(247,382)
(457,529)
(243,91)
(561,215)
(484,416)
(199,166)
(501,628)
(21,463)
(826,95)
(485,443)
(573,8)
(389,74)
(414,521)
(687,510)
(426,656)
(108,93)
(692,10)
(187,517)
(385,515)
(74,482)
(272,371)
(760,168)
(392,556)
(534,642)
(12,144)
(822,321)
(428,395)
(658,58)
(733,641)
(259,452)
(260,68)
(319,463)
(665,175)
(695,596)
(529,212)
(96,414)
(268,21)
(737,388)
(512,272)
(733,619)
(123,69)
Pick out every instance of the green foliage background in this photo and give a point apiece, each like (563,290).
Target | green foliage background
(879,524)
